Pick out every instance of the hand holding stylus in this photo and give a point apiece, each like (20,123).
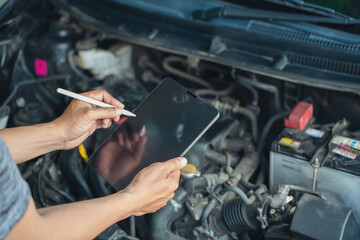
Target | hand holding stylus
(81,119)
(92,101)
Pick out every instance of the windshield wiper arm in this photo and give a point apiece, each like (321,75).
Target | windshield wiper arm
(248,13)
(309,7)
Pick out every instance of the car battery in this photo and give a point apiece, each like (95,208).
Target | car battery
(337,176)
(291,154)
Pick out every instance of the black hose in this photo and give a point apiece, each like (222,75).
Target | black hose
(215,156)
(212,203)
(250,161)
(248,165)
(244,169)
(97,183)
(43,168)
(267,129)
(242,195)
(253,91)
(237,144)
(70,165)
(223,194)
(167,66)
(161,220)
(252,117)
(217,93)
(262,143)
(305,190)
(266,87)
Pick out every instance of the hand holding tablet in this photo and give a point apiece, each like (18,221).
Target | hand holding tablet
(154,186)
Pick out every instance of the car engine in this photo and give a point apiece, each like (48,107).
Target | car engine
(282,161)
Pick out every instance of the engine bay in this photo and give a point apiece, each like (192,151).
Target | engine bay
(282,161)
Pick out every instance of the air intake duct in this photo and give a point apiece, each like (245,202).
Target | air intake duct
(235,216)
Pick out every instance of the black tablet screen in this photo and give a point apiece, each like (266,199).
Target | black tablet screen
(166,125)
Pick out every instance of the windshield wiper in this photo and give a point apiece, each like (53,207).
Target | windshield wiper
(249,13)
(311,8)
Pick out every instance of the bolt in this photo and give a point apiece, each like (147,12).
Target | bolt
(272,211)
(20,102)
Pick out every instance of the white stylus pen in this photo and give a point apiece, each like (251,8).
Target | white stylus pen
(92,101)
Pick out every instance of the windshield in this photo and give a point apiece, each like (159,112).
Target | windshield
(348,7)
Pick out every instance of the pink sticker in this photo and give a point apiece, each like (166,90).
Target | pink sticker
(40,67)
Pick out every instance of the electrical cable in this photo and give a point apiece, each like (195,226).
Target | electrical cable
(42,177)
(33,81)
(56,189)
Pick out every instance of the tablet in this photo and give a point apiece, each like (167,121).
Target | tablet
(167,124)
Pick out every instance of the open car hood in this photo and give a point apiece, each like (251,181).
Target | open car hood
(292,51)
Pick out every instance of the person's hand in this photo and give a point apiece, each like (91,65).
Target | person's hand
(155,185)
(81,119)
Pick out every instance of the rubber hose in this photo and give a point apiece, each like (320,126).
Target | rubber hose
(266,87)
(252,117)
(70,165)
(161,220)
(167,66)
(217,93)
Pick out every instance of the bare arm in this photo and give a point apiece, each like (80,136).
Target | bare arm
(149,191)
(29,142)
(80,220)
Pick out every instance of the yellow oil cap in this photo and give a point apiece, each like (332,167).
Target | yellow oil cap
(189,171)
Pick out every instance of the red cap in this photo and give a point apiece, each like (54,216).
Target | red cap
(300,116)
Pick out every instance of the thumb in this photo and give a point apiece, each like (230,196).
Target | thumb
(175,164)
(101,113)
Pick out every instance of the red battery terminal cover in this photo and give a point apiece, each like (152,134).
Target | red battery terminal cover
(300,116)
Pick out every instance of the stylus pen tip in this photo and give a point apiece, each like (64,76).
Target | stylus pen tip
(128,113)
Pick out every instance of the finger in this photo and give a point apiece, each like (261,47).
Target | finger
(175,178)
(105,121)
(135,137)
(122,119)
(174,175)
(100,113)
(103,96)
(116,119)
(120,138)
(174,164)
(127,140)
(140,147)
(107,125)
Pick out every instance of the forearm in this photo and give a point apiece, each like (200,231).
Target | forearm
(28,142)
(80,220)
